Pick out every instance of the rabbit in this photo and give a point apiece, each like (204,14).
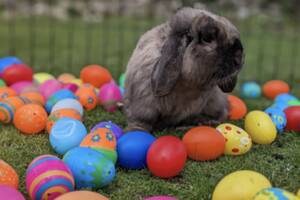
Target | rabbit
(181,70)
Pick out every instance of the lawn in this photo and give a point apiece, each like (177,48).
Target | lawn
(280,161)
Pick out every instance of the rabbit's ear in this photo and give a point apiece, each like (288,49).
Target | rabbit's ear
(228,85)
(167,69)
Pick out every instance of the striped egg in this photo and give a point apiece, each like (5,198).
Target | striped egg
(47,177)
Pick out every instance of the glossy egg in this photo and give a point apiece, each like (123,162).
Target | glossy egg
(250,90)
(58,96)
(87,96)
(49,87)
(89,167)
(117,131)
(6,92)
(19,87)
(109,96)
(95,75)
(238,142)
(82,195)
(7,62)
(68,104)
(275,87)
(240,185)
(285,97)
(278,117)
(293,118)
(8,176)
(66,78)
(237,108)
(16,73)
(9,193)
(41,77)
(274,194)
(100,138)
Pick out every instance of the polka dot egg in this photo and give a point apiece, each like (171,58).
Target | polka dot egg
(87,96)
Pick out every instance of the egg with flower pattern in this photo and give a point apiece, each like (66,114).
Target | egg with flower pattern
(238,141)
(87,96)
(101,138)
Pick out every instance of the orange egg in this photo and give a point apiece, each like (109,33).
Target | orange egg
(66,78)
(95,75)
(6,92)
(100,138)
(237,108)
(87,96)
(275,87)
(8,176)
(30,119)
(35,97)
(80,195)
(56,115)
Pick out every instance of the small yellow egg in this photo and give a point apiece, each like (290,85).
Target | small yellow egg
(77,81)
(41,77)
(298,193)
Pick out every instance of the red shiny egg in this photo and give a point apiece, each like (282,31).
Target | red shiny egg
(16,73)
(293,118)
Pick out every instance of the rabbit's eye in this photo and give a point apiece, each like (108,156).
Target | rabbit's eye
(189,38)
(208,38)
(209,35)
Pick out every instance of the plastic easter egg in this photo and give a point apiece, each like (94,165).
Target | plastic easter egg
(122,80)
(87,96)
(240,185)
(237,108)
(274,194)
(109,96)
(278,117)
(95,75)
(58,96)
(82,195)
(160,198)
(70,86)
(204,143)
(250,90)
(7,92)
(49,87)
(66,134)
(275,87)
(8,176)
(134,141)
(294,103)
(166,157)
(9,193)
(58,114)
(77,81)
(66,78)
(285,97)
(48,177)
(68,104)
(30,119)
(16,73)
(42,77)
(89,167)
(117,131)
(34,97)
(293,118)
(7,62)
(260,127)
(238,142)
(20,86)
(2,83)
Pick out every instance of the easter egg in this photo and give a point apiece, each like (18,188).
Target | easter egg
(16,73)
(6,92)
(42,77)
(238,142)
(260,127)
(275,87)
(49,87)
(2,83)
(298,193)
(9,193)
(101,138)
(89,167)
(109,96)
(237,108)
(274,194)
(8,176)
(58,114)
(280,105)
(66,134)
(58,96)
(34,97)
(7,62)
(160,198)
(48,177)
(117,131)
(137,142)
(240,185)
(82,195)
(250,90)
(66,78)
(278,117)
(166,157)
(30,119)
(68,104)
(77,82)
(20,86)
(122,90)
(108,153)
(87,96)
(70,86)
(285,97)
(293,118)
(204,143)
(294,103)
(95,75)
(122,80)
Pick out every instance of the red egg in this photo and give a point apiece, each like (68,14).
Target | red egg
(293,118)
(16,73)
(166,157)
(275,87)
(237,108)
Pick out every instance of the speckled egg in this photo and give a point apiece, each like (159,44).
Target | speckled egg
(58,96)
(6,92)
(285,97)
(42,77)
(100,138)
(274,194)
(87,96)
(68,104)
(280,105)
(49,87)
(89,167)
(250,90)
(117,131)
(278,117)
(8,176)
(48,177)
(238,142)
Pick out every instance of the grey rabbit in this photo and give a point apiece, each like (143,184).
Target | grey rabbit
(180,72)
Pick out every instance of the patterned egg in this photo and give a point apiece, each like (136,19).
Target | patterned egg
(87,96)
(280,105)
(274,194)
(58,114)
(42,77)
(278,117)
(68,103)
(109,96)
(49,87)
(66,78)
(9,193)
(7,92)
(8,176)
(238,142)
(250,90)
(48,177)
(108,153)
(20,86)
(118,132)
(285,97)
(101,138)
(35,97)
(89,167)
(57,96)
(2,83)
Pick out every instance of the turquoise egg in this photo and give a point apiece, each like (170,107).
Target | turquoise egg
(57,96)
(250,90)
(274,194)
(278,117)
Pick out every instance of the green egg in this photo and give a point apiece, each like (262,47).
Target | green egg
(109,154)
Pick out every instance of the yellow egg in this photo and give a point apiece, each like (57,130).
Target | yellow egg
(41,77)
(77,81)
(240,185)
(260,127)
(274,194)
(237,140)
(298,193)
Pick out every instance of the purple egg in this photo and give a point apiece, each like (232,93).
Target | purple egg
(118,132)
(70,86)
(160,198)
(49,87)
(7,192)
(20,86)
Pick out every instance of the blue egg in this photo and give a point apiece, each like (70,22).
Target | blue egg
(69,104)
(132,149)
(57,96)
(285,98)
(7,61)
(278,117)
(280,105)
(250,90)
(89,167)
(66,134)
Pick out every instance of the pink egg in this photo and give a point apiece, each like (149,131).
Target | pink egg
(49,87)
(70,86)
(7,192)
(160,198)
(109,96)
(20,86)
